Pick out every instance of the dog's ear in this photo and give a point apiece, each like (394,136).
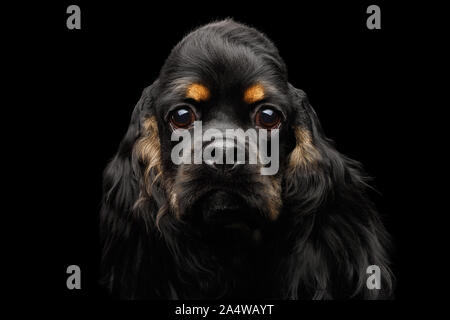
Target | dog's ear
(337,233)
(124,231)
(121,176)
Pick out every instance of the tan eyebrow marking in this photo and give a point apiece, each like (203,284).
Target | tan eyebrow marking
(254,93)
(198,92)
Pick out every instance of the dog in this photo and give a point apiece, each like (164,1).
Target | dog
(218,230)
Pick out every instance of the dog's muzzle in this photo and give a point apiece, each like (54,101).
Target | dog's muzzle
(227,161)
(221,207)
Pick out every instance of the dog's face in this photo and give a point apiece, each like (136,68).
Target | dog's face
(174,228)
(223,86)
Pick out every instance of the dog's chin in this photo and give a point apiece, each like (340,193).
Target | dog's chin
(226,209)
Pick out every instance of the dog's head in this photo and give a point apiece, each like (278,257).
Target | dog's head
(180,167)
(224,76)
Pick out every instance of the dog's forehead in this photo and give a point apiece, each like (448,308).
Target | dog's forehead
(200,80)
(201,90)
(205,64)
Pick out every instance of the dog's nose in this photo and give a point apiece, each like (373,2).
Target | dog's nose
(226,161)
(224,167)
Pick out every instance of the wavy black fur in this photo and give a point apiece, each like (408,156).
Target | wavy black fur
(326,235)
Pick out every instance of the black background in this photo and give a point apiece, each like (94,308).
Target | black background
(87,82)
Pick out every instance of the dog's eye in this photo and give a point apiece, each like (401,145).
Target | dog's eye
(267,118)
(182,117)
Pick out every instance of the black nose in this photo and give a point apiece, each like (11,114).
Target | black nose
(227,164)
(224,167)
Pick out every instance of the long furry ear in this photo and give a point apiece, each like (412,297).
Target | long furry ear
(336,232)
(124,231)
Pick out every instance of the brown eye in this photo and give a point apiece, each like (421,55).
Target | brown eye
(182,117)
(267,118)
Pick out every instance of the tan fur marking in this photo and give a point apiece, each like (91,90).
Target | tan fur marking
(148,151)
(274,204)
(254,93)
(173,199)
(304,154)
(198,92)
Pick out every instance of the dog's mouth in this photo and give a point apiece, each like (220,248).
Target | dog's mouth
(223,208)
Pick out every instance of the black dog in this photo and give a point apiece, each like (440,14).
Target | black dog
(217,230)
